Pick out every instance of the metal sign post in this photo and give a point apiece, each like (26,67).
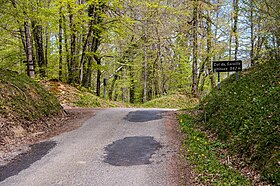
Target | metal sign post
(219,81)
(226,66)
(105,84)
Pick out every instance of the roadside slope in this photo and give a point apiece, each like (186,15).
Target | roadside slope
(177,100)
(70,96)
(23,102)
(245,115)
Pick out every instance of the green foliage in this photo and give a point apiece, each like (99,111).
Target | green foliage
(24,99)
(91,101)
(78,96)
(172,101)
(245,114)
(201,152)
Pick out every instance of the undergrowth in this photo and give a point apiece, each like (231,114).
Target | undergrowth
(172,101)
(202,153)
(78,96)
(22,98)
(245,115)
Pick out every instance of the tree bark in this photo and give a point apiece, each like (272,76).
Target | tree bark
(252,33)
(38,38)
(132,85)
(60,37)
(195,48)
(29,51)
(72,67)
(235,26)
(209,51)
(66,46)
(98,76)
(110,94)
(89,34)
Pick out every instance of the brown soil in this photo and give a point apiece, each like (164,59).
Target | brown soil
(19,140)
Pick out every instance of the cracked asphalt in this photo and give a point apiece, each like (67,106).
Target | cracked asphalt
(116,147)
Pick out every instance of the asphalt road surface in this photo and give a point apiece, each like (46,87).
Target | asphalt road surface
(116,147)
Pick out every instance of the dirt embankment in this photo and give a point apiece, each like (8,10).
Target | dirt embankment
(29,114)
(43,129)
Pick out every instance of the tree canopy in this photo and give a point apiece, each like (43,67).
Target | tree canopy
(136,50)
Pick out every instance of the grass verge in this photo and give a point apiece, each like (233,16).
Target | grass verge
(245,115)
(202,154)
(172,101)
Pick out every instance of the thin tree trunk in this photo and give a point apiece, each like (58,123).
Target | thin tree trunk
(132,85)
(98,76)
(235,26)
(252,33)
(60,37)
(29,51)
(209,51)
(230,40)
(110,94)
(72,67)
(90,14)
(47,38)
(145,73)
(195,48)
(23,40)
(66,46)
(123,87)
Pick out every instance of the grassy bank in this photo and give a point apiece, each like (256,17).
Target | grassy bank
(203,154)
(78,97)
(22,102)
(23,98)
(178,101)
(245,116)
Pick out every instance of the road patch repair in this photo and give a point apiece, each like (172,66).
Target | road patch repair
(144,115)
(23,161)
(136,150)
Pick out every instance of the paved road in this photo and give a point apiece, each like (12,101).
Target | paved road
(116,147)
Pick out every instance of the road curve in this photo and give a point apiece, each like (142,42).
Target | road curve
(116,147)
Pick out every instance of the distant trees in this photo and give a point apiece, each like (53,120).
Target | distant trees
(136,50)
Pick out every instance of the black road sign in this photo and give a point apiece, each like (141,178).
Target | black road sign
(227,66)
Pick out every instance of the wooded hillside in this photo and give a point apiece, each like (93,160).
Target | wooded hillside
(133,50)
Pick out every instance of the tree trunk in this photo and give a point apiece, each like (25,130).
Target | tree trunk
(132,85)
(145,64)
(110,94)
(91,22)
(235,26)
(29,51)
(66,45)
(46,47)
(38,38)
(72,67)
(209,51)
(98,76)
(195,48)
(47,39)
(252,33)
(123,87)
(60,37)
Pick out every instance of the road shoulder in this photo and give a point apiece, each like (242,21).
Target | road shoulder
(74,118)
(179,169)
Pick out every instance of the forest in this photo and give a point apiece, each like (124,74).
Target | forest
(136,50)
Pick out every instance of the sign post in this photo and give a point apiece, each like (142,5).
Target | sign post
(226,66)
(105,84)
